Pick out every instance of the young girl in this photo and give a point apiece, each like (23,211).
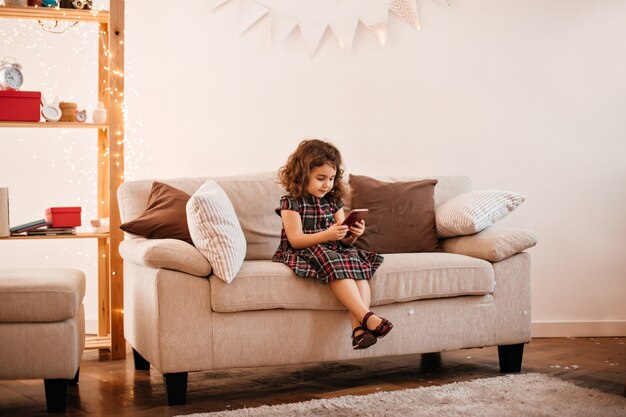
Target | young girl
(315,244)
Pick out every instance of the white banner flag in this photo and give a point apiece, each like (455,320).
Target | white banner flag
(250,12)
(282,26)
(344,30)
(214,4)
(312,32)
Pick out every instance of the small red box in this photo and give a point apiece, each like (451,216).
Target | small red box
(63,216)
(20,106)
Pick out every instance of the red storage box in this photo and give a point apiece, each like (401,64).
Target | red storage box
(20,106)
(63,216)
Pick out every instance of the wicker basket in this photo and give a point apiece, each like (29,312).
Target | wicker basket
(68,112)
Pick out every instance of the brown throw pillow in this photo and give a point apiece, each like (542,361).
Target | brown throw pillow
(165,216)
(401,217)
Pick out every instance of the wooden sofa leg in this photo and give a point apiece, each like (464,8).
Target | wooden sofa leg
(511,357)
(176,388)
(140,363)
(56,394)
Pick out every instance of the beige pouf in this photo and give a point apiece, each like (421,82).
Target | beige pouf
(42,328)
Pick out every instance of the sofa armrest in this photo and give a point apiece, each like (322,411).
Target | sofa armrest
(165,253)
(493,244)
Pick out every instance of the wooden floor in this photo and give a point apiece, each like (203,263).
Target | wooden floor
(114,388)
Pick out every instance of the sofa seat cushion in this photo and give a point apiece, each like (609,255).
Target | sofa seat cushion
(265,285)
(40,294)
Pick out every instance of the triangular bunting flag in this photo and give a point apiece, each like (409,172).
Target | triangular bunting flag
(214,4)
(249,13)
(344,30)
(376,22)
(282,26)
(407,10)
(312,32)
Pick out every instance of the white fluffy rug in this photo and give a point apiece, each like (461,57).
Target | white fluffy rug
(525,395)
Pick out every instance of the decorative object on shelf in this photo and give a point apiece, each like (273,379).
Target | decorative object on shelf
(100,225)
(11,77)
(19,106)
(4,212)
(63,216)
(49,3)
(76,4)
(81,116)
(100,114)
(15,3)
(68,111)
(50,111)
(313,18)
(34,3)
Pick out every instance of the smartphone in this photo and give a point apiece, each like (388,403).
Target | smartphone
(354,216)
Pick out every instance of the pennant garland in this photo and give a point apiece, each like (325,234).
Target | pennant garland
(314,17)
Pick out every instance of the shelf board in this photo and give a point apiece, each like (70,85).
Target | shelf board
(76,236)
(97,342)
(55,125)
(53,13)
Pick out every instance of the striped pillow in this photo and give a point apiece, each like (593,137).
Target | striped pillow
(215,230)
(474,211)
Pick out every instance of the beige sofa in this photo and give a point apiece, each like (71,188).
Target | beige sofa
(180,318)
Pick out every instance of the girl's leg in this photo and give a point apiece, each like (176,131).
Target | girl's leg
(355,296)
(366,295)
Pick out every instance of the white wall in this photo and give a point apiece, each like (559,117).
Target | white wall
(520,95)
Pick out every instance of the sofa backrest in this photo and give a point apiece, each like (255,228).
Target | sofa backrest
(254,197)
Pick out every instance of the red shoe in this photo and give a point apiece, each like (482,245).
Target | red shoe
(382,329)
(363,340)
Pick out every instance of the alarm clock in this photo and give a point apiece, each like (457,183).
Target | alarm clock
(51,111)
(11,77)
(81,116)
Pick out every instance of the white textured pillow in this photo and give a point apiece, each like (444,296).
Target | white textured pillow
(474,211)
(215,230)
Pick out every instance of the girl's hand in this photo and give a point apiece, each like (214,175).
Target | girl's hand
(358,228)
(336,232)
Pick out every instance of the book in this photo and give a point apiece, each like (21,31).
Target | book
(5,228)
(35,224)
(49,231)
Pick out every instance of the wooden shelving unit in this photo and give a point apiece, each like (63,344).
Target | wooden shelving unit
(110,161)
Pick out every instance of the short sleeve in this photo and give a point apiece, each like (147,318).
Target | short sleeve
(287,203)
(335,206)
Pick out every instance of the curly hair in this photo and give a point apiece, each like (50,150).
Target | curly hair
(312,153)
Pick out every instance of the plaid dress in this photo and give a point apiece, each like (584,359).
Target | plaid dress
(326,261)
